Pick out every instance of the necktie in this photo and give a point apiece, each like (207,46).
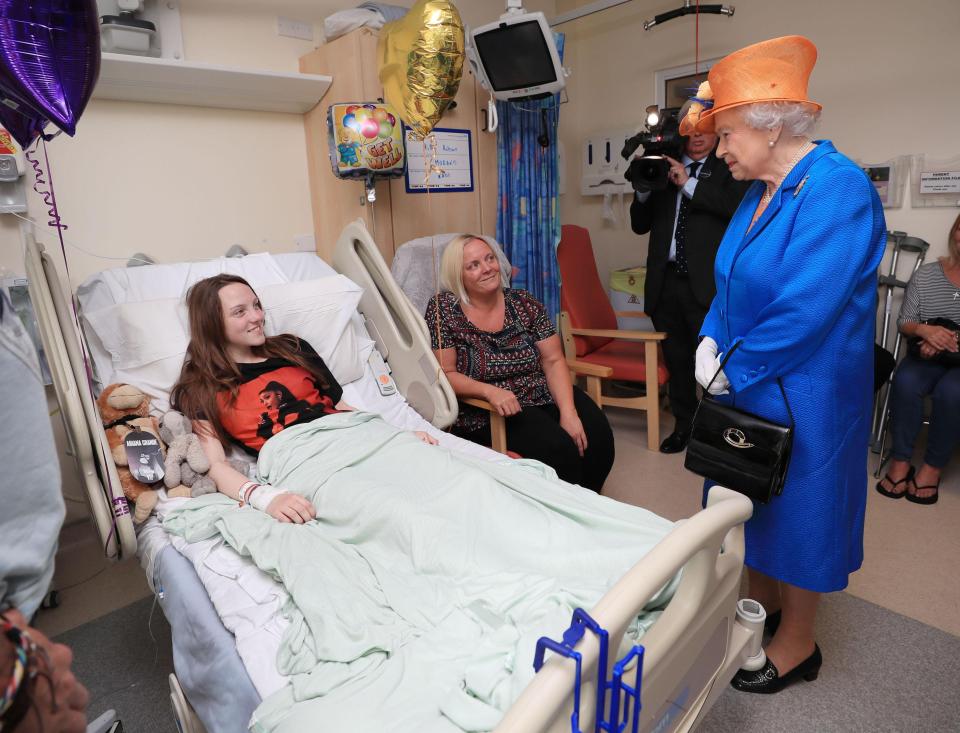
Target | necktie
(681,234)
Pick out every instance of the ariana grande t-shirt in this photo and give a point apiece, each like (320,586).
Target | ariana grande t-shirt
(275,394)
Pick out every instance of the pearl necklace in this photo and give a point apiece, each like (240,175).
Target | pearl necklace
(768,193)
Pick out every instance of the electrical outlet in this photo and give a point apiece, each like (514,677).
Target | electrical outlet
(294,28)
(305,243)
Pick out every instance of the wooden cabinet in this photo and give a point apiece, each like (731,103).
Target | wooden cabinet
(397,216)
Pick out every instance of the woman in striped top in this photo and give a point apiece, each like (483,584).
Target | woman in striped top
(933,291)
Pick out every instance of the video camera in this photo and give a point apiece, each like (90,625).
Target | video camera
(662,137)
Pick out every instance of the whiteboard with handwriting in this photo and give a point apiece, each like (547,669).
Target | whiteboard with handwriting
(452,168)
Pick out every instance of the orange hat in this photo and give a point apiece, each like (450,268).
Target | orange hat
(770,71)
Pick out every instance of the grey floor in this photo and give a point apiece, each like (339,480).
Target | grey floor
(882,672)
(124,668)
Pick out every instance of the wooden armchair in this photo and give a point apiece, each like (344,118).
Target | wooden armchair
(588,328)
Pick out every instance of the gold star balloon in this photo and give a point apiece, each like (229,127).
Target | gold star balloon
(421,62)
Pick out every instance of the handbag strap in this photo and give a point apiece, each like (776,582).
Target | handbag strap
(723,363)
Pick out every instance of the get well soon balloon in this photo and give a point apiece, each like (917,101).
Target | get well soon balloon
(364,141)
(49,64)
(421,62)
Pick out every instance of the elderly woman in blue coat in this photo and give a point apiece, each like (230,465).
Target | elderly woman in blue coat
(796,289)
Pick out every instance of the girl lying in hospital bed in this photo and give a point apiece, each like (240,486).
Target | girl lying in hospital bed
(254,385)
(418,593)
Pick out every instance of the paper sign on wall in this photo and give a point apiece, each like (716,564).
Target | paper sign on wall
(448,155)
(940,182)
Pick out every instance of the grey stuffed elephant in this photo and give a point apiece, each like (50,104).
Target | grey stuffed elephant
(186,463)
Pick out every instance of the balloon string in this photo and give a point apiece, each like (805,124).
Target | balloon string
(430,147)
(48,195)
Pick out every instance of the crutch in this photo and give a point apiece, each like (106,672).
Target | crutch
(881,412)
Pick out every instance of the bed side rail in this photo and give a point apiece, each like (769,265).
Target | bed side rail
(399,331)
(685,651)
(81,419)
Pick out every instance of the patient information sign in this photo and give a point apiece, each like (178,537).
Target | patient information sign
(940,182)
(446,154)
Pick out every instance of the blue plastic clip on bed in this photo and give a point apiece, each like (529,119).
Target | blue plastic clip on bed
(619,709)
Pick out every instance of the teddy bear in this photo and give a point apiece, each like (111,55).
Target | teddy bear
(123,409)
(186,462)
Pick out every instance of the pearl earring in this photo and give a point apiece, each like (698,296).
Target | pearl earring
(770,143)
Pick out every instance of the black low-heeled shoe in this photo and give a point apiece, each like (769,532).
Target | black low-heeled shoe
(767,679)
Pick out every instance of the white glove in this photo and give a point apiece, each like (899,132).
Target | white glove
(707,364)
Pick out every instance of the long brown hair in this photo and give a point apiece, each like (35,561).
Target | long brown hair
(953,247)
(208,370)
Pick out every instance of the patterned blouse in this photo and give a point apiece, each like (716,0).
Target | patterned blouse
(508,358)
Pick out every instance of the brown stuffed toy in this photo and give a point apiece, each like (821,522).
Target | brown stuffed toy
(123,409)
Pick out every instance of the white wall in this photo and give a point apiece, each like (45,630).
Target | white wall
(886,76)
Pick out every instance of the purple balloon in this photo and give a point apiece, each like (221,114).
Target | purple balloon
(49,63)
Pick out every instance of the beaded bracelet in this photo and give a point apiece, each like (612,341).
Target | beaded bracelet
(15,702)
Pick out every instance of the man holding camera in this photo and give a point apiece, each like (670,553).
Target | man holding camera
(686,217)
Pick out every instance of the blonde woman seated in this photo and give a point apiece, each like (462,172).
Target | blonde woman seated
(497,343)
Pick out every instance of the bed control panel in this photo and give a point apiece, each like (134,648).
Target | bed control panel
(381,373)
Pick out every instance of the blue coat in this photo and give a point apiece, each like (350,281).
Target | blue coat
(800,291)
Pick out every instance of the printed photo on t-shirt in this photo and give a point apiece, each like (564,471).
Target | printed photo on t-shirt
(275,400)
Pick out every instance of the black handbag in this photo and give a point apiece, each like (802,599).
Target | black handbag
(947,358)
(737,449)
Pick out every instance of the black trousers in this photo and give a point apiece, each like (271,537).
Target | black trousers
(680,316)
(535,432)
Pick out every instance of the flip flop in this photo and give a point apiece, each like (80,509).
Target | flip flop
(932,499)
(895,494)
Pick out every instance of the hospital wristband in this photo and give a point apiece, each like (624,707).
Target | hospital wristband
(265,493)
(247,488)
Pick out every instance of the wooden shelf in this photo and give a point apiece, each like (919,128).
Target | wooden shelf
(166,81)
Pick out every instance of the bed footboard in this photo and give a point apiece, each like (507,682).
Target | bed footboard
(690,653)
(400,332)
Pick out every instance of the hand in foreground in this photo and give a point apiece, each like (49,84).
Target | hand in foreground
(426,437)
(289,507)
(504,401)
(571,423)
(940,338)
(59,700)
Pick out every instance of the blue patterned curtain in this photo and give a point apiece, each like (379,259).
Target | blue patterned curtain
(528,218)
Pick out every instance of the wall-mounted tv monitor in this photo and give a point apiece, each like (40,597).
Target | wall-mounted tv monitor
(516,57)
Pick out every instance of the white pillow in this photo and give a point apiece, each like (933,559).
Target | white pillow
(320,311)
(145,342)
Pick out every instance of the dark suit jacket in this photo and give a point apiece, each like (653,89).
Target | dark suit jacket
(714,201)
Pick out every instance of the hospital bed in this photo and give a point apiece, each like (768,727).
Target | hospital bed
(689,654)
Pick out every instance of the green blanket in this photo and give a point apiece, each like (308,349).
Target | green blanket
(418,594)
